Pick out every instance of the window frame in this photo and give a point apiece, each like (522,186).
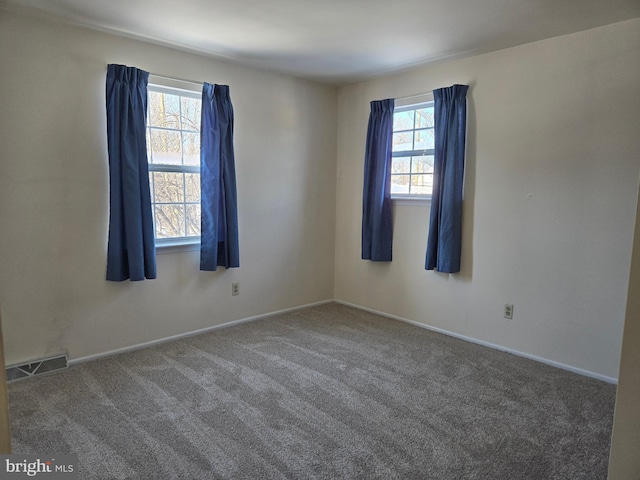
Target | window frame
(172,244)
(405,105)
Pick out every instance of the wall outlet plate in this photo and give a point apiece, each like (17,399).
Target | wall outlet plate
(508,311)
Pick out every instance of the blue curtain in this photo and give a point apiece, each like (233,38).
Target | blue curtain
(131,251)
(377,228)
(445,226)
(219,199)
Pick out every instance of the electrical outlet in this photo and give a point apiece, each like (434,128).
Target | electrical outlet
(508,311)
(235,289)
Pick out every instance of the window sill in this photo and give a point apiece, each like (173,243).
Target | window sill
(177,246)
(408,201)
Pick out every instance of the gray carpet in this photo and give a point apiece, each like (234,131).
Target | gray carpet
(329,392)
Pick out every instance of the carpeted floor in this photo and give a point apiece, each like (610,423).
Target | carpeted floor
(329,392)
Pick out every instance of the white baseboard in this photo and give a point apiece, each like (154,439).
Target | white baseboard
(138,346)
(546,361)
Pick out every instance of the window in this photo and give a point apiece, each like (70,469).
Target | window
(173,151)
(412,151)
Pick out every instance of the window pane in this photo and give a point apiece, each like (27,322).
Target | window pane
(164,110)
(421,184)
(151,187)
(165,147)
(402,141)
(191,148)
(148,140)
(422,164)
(400,165)
(192,185)
(190,113)
(169,187)
(399,183)
(403,120)
(169,221)
(193,220)
(424,139)
(424,117)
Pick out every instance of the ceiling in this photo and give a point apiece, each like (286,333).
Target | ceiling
(336,41)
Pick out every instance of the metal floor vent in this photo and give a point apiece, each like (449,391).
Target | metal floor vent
(37,367)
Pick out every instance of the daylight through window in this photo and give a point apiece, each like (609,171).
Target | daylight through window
(412,152)
(173,151)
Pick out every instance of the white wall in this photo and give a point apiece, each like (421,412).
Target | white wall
(54,197)
(553,159)
(552,166)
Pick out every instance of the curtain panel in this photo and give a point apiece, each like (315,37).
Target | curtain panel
(131,250)
(219,199)
(444,244)
(377,225)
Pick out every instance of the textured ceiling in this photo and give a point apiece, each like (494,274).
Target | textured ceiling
(336,41)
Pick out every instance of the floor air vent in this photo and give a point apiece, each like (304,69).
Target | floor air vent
(37,367)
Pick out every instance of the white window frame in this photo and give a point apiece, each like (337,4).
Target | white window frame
(415,102)
(174,244)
